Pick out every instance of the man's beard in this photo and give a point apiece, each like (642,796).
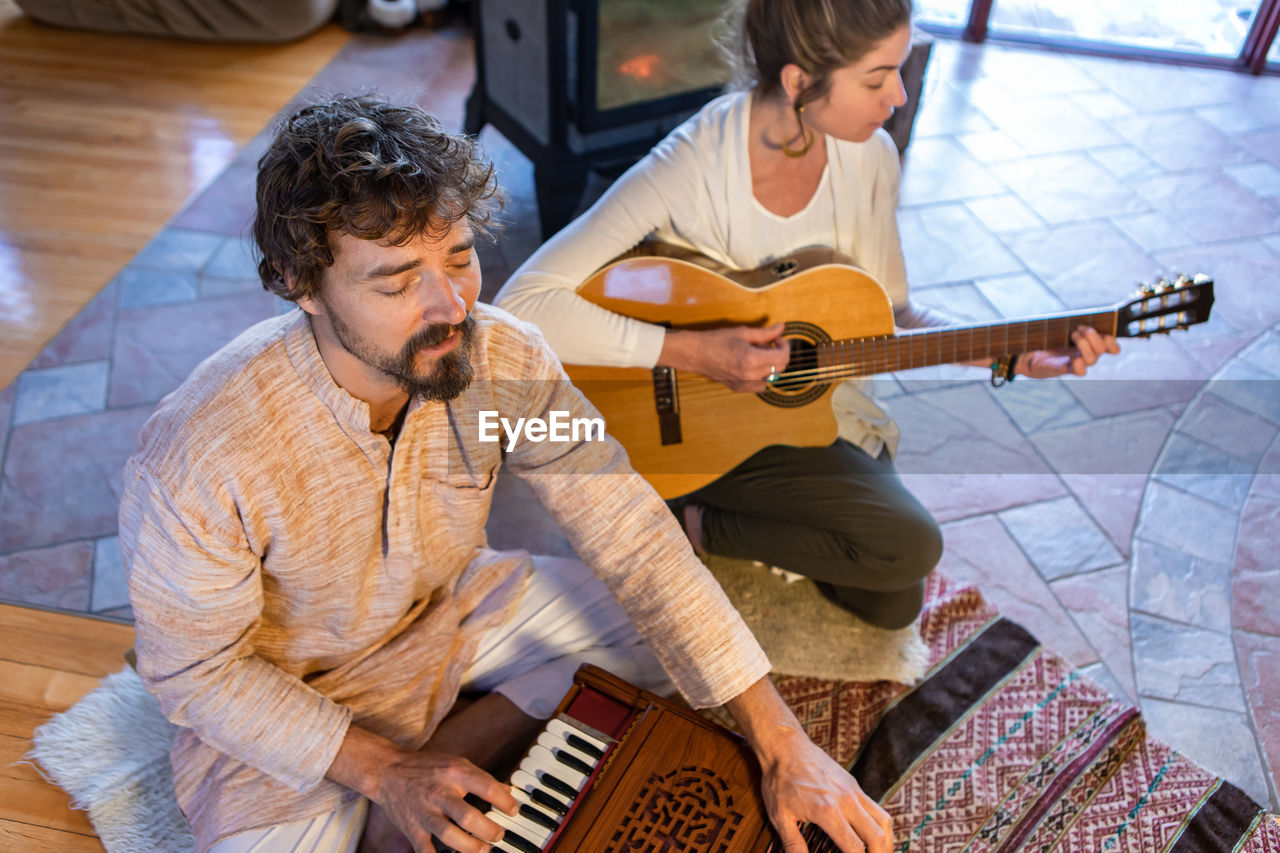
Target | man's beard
(450,374)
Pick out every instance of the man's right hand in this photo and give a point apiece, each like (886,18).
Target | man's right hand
(741,357)
(423,792)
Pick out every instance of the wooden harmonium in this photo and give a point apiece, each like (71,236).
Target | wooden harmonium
(621,769)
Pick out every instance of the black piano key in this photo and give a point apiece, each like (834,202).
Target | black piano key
(520,842)
(561,787)
(538,816)
(817,840)
(572,762)
(584,747)
(542,798)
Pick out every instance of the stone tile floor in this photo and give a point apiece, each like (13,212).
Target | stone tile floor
(1128,519)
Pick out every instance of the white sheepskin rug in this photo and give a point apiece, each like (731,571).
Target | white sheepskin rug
(805,634)
(110,752)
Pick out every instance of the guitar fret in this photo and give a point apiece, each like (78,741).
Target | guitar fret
(923,348)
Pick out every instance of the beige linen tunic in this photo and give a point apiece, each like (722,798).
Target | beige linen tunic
(290,573)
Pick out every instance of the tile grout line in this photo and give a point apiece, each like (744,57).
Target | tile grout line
(1269,772)
(1248,713)
(1018,544)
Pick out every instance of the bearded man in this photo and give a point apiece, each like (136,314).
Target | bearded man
(304,527)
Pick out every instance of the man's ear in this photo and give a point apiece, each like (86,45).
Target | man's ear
(307,303)
(794,81)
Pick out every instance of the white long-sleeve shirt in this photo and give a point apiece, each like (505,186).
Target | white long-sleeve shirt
(694,189)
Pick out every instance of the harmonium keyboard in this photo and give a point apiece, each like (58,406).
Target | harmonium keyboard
(620,769)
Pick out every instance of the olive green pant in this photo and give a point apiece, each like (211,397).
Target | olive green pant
(834,514)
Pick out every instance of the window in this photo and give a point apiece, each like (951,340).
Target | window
(951,13)
(1208,27)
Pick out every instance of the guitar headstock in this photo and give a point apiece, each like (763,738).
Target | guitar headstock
(1165,305)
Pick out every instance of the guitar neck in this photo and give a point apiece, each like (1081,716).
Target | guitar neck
(952,344)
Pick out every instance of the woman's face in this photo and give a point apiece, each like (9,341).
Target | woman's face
(863,95)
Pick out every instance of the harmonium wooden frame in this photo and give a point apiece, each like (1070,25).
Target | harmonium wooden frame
(639,775)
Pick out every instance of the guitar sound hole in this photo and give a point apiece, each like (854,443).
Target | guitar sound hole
(803,360)
(802,381)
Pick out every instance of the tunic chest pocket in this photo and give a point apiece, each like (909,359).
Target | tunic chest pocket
(457,503)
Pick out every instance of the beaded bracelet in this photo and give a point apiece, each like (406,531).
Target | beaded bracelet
(1002,370)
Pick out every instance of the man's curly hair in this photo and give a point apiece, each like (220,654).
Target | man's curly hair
(367,167)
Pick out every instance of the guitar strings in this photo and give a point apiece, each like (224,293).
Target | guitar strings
(806,375)
(804,368)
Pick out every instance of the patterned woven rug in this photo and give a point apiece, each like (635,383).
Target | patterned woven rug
(1004,747)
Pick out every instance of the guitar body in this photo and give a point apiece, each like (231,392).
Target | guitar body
(719,428)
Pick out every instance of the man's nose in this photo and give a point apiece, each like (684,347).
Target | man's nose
(444,304)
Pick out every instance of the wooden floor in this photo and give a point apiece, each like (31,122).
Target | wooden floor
(102,140)
(47,662)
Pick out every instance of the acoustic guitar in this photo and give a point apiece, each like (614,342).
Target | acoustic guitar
(683,430)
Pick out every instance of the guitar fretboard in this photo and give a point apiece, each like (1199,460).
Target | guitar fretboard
(924,347)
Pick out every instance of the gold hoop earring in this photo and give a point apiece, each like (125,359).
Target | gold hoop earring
(805,133)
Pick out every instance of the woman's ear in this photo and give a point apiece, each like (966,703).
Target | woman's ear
(794,81)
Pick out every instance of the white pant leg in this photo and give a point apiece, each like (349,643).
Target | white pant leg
(337,831)
(567,617)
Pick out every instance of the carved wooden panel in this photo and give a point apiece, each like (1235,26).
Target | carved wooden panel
(686,809)
(674,784)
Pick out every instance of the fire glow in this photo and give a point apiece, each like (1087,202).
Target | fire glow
(640,67)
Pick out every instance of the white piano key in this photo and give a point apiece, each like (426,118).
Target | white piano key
(562,729)
(522,827)
(524,781)
(544,762)
(523,798)
(558,747)
(527,782)
(575,743)
(505,845)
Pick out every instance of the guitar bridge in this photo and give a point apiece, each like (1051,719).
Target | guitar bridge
(666,402)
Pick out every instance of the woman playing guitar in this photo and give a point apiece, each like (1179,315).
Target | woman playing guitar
(795,158)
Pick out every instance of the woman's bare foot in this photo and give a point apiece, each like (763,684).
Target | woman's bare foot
(693,527)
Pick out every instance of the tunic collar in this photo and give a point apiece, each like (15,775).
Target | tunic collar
(300,344)
(353,413)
